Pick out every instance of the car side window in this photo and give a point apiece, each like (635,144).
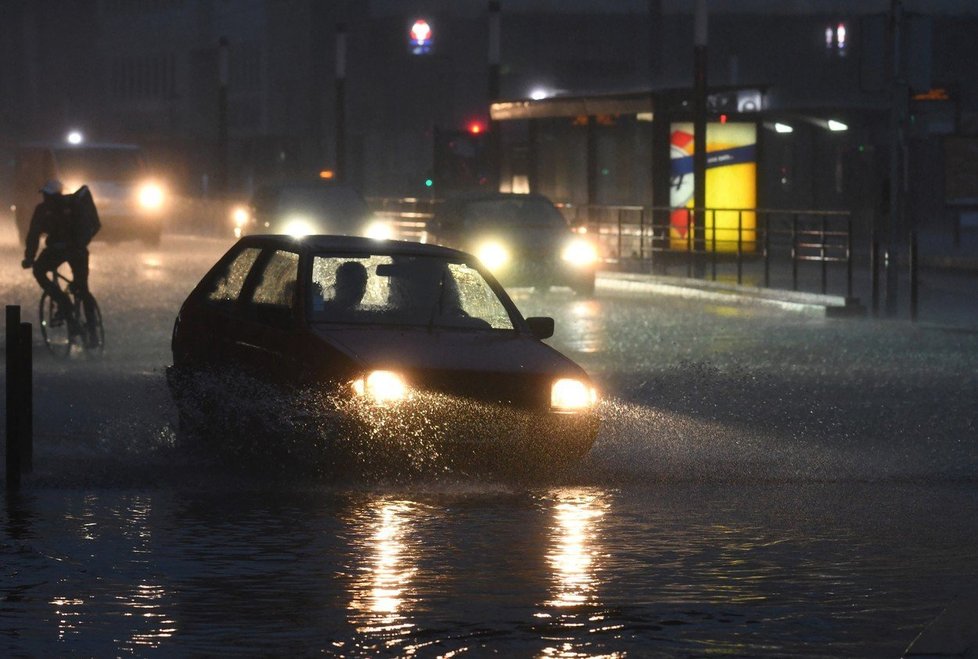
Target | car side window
(274,294)
(226,286)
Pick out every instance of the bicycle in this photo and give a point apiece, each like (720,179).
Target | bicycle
(57,331)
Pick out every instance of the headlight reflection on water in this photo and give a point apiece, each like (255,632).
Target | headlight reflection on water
(574,556)
(381,589)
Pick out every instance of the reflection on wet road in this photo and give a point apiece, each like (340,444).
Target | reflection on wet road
(764,484)
(561,571)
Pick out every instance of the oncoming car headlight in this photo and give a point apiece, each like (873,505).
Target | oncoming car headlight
(381,387)
(150,196)
(493,255)
(297,227)
(570,395)
(580,252)
(379,230)
(240,216)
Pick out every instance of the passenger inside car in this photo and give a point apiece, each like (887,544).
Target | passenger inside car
(348,291)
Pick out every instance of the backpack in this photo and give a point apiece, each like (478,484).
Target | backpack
(85,222)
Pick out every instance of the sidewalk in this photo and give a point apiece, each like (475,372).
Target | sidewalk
(947,294)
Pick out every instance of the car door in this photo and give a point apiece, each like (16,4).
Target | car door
(269,337)
(206,327)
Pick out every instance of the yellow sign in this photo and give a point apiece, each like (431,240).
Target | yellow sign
(731,187)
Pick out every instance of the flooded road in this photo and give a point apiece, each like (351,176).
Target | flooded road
(764,484)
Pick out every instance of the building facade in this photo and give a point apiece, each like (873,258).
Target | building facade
(225,95)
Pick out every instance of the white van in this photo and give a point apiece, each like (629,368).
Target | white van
(130,203)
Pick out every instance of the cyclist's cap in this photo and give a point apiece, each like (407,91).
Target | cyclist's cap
(53,186)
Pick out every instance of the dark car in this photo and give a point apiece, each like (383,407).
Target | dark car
(522,238)
(306,207)
(375,344)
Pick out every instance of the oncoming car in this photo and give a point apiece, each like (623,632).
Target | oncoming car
(522,238)
(367,344)
(131,203)
(306,207)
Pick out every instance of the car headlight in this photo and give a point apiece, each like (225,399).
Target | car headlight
(240,215)
(381,387)
(493,255)
(150,196)
(297,227)
(571,395)
(580,252)
(379,230)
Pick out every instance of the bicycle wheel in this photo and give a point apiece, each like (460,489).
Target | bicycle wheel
(94,338)
(55,331)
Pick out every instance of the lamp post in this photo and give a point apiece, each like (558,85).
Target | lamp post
(223,74)
(495,143)
(699,134)
(340,101)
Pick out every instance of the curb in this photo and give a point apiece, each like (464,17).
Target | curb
(811,303)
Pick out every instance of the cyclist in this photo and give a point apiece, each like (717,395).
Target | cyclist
(55,217)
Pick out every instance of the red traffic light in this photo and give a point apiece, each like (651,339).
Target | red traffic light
(475,127)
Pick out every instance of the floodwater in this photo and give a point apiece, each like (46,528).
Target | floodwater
(764,484)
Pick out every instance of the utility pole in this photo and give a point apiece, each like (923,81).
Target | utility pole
(223,73)
(699,135)
(495,141)
(340,136)
(897,179)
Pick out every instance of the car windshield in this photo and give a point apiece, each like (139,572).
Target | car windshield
(99,164)
(405,290)
(516,211)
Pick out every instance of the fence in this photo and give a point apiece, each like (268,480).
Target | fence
(784,248)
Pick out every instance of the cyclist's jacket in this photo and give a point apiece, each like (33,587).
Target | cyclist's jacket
(52,217)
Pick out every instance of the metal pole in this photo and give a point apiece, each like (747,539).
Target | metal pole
(26,384)
(849,255)
(340,111)
(14,398)
(713,256)
(823,255)
(874,273)
(767,251)
(699,129)
(794,252)
(621,257)
(898,103)
(740,247)
(913,276)
(223,74)
(495,139)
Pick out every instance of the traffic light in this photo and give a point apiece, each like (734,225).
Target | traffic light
(461,158)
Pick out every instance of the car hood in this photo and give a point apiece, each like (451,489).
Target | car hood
(439,349)
(490,365)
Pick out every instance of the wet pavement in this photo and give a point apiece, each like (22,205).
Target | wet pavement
(766,482)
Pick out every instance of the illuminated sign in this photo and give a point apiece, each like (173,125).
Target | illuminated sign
(420,37)
(731,186)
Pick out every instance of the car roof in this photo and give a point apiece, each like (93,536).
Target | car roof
(353,244)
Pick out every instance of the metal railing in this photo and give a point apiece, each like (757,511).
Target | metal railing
(658,238)
(662,239)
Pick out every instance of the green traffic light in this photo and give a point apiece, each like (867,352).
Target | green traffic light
(428,183)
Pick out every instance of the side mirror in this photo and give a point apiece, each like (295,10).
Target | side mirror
(542,327)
